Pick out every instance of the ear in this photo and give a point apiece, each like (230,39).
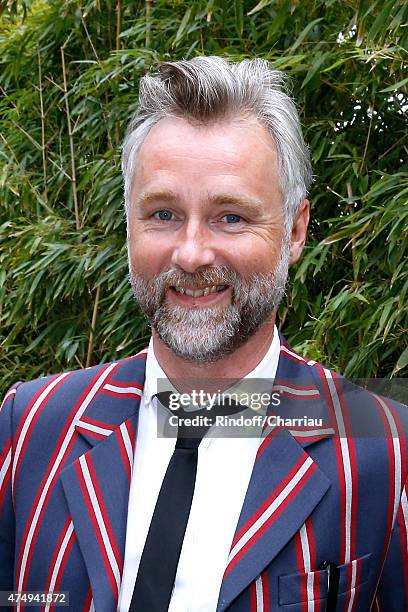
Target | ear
(299,231)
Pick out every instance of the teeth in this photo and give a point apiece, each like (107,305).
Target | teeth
(200,292)
(193,293)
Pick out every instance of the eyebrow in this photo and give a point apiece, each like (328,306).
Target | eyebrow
(249,204)
(149,197)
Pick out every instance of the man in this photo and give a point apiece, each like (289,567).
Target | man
(300,518)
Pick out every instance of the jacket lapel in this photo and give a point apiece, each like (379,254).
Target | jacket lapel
(96,484)
(286,484)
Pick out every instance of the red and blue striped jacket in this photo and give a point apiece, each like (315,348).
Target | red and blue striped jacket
(336,493)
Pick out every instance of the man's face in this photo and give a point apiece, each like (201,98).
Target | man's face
(207,263)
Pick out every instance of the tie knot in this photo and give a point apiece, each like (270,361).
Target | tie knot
(192,424)
(188,443)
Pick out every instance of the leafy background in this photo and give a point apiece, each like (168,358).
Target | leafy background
(69,74)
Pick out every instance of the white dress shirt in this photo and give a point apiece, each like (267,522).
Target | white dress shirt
(223,473)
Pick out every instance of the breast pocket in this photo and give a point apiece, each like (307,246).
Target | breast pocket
(298,592)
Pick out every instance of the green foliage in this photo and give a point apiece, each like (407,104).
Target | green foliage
(69,75)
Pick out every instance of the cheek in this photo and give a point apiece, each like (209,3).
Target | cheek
(146,253)
(254,254)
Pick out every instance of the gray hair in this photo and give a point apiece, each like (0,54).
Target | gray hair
(209,89)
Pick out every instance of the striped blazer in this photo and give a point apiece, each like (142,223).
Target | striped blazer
(336,493)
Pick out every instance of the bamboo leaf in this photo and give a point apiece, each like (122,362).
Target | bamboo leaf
(182,27)
(258,7)
(303,35)
(402,361)
(239,16)
(395,86)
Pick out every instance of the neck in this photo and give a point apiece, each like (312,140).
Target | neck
(233,366)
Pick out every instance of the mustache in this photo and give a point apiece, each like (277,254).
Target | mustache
(217,275)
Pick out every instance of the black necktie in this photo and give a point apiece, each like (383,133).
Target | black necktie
(159,561)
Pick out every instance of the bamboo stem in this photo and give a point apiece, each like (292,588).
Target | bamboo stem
(353,238)
(71,144)
(90,41)
(118,22)
(367,139)
(43,143)
(110,143)
(93,324)
(149,4)
(354,255)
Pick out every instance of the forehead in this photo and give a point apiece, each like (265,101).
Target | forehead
(227,133)
(234,152)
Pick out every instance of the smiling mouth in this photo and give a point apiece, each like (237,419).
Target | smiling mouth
(200,292)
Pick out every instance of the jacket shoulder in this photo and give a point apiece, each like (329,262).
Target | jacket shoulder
(58,392)
(367,408)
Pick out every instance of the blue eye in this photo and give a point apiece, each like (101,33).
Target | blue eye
(233,218)
(164,215)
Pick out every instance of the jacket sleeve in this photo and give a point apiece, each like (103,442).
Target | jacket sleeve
(7,522)
(392,593)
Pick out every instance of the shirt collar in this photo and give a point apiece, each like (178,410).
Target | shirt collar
(265,370)
(154,372)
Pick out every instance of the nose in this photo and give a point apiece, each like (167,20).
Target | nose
(193,249)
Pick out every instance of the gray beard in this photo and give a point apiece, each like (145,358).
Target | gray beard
(205,335)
